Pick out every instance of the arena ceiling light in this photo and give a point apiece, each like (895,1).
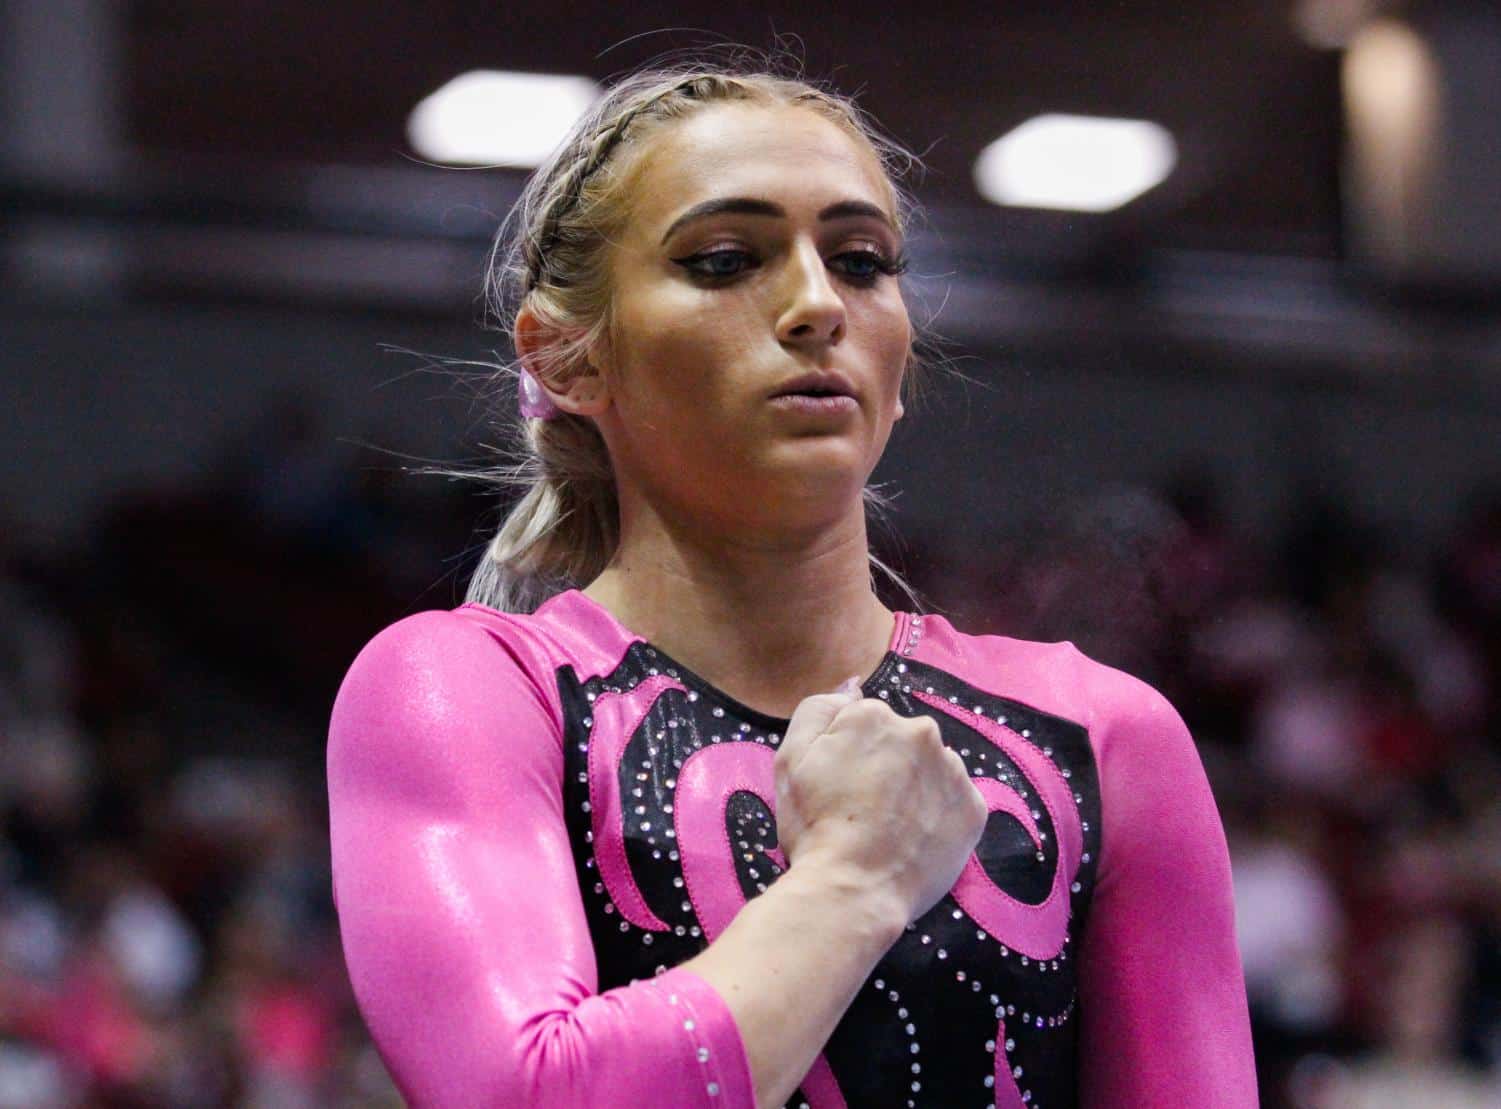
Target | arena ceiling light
(493,117)
(1075,163)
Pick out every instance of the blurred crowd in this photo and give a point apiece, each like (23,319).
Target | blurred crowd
(167,935)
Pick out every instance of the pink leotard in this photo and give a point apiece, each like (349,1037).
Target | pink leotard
(536,818)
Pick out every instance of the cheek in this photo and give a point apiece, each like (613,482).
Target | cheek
(890,334)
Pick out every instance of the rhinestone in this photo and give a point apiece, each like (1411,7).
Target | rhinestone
(717,711)
(1026,733)
(911,1029)
(927,938)
(692,695)
(989,1081)
(916,1067)
(1046,750)
(1010,1044)
(989,1045)
(703,1055)
(1084,825)
(647,939)
(583,775)
(959,976)
(1076,887)
(625,926)
(590,695)
(901,668)
(1016,1072)
(586,806)
(902,1013)
(679,930)
(883,695)
(609,908)
(1079,798)
(979,934)
(942,954)
(1066,773)
(1084,857)
(695,931)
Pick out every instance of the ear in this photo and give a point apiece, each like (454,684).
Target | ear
(585,394)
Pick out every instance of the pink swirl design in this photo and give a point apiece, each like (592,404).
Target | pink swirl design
(709,778)
(616,718)
(1037,931)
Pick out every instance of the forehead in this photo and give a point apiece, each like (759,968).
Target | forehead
(789,155)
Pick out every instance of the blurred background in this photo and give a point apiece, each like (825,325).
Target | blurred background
(1222,282)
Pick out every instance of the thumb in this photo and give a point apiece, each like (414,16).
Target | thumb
(812,718)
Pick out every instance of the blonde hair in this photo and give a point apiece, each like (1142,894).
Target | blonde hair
(550,256)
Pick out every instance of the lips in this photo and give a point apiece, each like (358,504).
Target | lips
(820,383)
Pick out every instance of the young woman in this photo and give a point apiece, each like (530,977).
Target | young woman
(623,848)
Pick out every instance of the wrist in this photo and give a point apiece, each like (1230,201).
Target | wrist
(860,896)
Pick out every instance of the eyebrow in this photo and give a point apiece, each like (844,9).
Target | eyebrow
(750,206)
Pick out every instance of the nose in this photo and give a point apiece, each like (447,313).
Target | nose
(813,311)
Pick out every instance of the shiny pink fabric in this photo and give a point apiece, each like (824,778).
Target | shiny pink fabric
(461,919)
(464,928)
(1162,1000)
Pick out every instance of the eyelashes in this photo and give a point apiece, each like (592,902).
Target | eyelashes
(707,265)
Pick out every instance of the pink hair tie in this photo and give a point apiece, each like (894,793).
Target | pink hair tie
(533,400)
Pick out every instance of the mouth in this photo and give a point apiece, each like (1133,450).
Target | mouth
(822,385)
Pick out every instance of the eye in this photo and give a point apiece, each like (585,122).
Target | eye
(715,263)
(867,265)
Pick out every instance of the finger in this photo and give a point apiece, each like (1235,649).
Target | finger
(811,719)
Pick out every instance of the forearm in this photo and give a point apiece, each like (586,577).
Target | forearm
(791,962)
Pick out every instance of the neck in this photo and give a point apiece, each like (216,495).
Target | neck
(769,619)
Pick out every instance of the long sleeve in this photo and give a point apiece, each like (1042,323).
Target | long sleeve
(461,917)
(1163,1008)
